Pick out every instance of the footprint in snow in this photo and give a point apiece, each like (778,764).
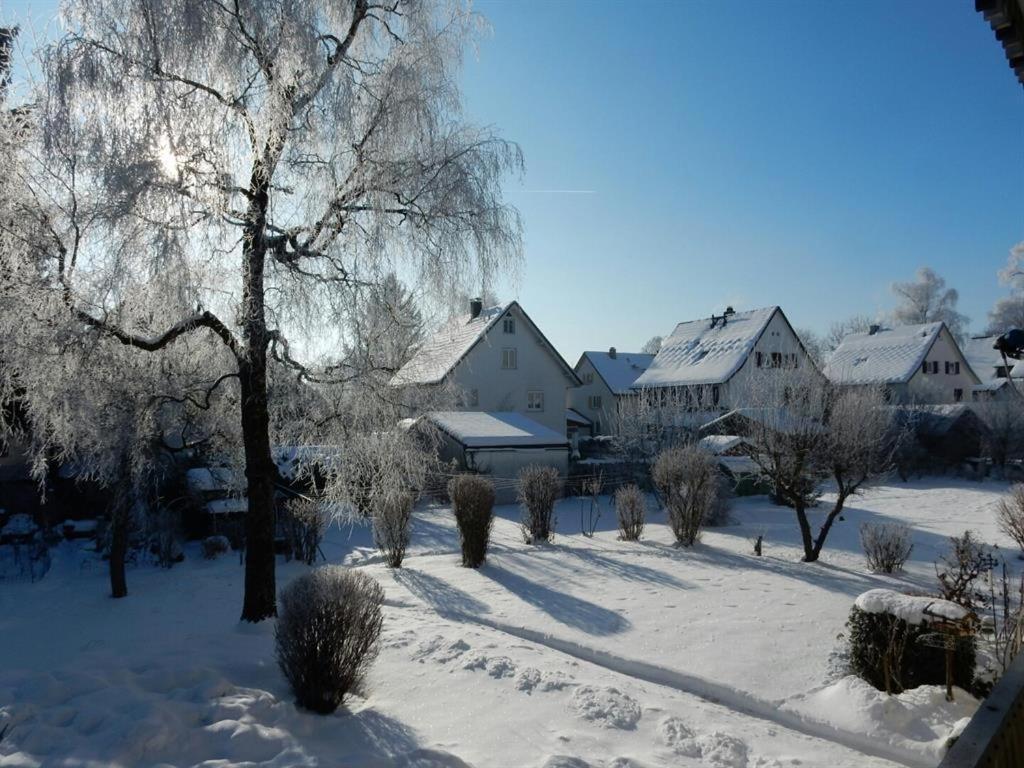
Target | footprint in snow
(440,649)
(530,680)
(717,750)
(495,666)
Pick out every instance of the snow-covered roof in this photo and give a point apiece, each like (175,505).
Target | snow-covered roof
(699,352)
(778,419)
(494,429)
(575,417)
(888,356)
(227,506)
(983,357)
(619,372)
(445,349)
(910,608)
(719,444)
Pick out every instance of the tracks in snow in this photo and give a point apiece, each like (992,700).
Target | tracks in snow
(715,693)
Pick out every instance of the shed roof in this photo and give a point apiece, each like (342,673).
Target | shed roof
(495,429)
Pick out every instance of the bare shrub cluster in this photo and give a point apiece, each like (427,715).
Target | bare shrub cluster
(473,503)
(887,546)
(630,506)
(392,513)
(327,633)
(688,480)
(539,489)
(1010,514)
(957,571)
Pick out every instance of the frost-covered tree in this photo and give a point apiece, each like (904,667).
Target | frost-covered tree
(387,327)
(239,172)
(926,299)
(1008,312)
(814,344)
(652,346)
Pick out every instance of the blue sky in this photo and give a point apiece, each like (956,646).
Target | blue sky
(682,156)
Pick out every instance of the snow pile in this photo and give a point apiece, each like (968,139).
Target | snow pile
(920,719)
(911,609)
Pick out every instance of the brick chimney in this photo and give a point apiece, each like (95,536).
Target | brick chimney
(612,353)
(476,306)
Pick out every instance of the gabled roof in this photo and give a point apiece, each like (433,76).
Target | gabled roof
(985,359)
(443,351)
(618,372)
(699,352)
(888,356)
(492,429)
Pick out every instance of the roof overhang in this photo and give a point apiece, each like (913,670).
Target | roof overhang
(1006,17)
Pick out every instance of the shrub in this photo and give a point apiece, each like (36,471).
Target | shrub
(539,488)
(1010,514)
(960,567)
(391,517)
(717,513)
(886,546)
(878,640)
(304,523)
(473,503)
(328,625)
(688,480)
(630,507)
(215,545)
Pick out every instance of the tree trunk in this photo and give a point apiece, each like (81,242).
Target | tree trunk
(827,526)
(260,583)
(805,531)
(118,547)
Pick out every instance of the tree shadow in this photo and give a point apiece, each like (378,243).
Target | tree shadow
(565,609)
(438,593)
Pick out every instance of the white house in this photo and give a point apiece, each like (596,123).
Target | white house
(709,364)
(915,363)
(607,381)
(999,378)
(496,360)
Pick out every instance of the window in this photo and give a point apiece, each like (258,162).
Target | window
(935,366)
(958,394)
(1002,372)
(760,359)
(776,359)
(588,378)
(508,325)
(509,359)
(947,367)
(535,400)
(594,401)
(956,368)
(924,367)
(714,394)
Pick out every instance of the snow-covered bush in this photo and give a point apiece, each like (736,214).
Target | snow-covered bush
(959,568)
(688,481)
(1010,514)
(888,648)
(327,631)
(392,513)
(473,503)
(539,489)
(630,507)
(215,545)
(887,546)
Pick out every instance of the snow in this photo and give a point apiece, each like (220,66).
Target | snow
(912,609)
(482,429)
(621,371)
(443,351)
(984,359)
(583,652)
(232,506)
(719,444)
(19,526)
(210,479)
(888,356)
(698,353)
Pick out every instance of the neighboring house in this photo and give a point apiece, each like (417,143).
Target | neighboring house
(711,364)
(498,445)
(607,380)
(1000,379)
(495,360)
(915,364)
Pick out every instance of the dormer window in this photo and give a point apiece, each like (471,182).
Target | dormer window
(508,325)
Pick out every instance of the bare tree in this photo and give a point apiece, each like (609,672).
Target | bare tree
(1005,437)
(1008,311)
(238,172)
(814,344)
(652,346)
(927,300)
(840,330)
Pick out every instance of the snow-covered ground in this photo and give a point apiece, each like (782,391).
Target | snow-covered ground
(584,652)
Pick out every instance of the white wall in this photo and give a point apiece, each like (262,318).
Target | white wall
(506,390)
(578,398)
(940,387)
(778,337)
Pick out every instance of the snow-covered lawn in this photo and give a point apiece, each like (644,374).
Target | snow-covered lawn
(582,652)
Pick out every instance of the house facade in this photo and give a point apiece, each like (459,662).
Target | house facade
(914,363)
(607,380)
(495,359)
(714,363)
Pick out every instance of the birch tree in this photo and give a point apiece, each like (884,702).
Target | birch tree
(236,170)
(926,299)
